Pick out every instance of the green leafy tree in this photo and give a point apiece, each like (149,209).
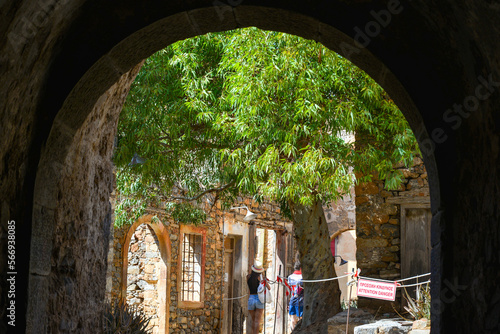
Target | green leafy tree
(263,114)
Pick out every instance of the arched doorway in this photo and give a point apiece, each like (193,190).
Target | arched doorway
(396,83)
(146,260)
(145,30)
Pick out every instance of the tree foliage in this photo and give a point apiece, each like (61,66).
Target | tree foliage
(257,113)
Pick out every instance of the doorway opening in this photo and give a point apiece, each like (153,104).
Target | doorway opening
(233,311)
(145,268)
(145,262)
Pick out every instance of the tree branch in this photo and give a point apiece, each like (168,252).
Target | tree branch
(211,190)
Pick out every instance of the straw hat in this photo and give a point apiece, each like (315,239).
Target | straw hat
(257,267)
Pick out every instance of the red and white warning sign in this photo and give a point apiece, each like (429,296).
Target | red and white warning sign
(376,289)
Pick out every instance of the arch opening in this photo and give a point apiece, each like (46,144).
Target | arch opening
(144,276)
(88,92)
(146,256)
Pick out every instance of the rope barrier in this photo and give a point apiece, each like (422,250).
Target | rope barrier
(397,281)
(410,285)
(376,279)
(235,297)
(339,277)
(349,274)
(410,278)
(324,280)
(319,280)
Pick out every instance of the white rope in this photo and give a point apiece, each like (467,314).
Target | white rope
(376,279)
(320,280)
(235,297)
(339,277)
(410,285)
(410,278)
(324,280)
(369,278)
(399,280)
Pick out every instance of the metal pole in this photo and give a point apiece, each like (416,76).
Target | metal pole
(222,281)
(265,294)
(285,299)
(276,306)
(348,309)
(285,310)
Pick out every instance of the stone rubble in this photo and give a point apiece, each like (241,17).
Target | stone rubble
(384,327)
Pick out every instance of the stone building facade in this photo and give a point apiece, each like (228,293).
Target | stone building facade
(143,276)
(148,261)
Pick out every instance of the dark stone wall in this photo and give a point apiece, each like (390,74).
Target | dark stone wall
(70,239)
(437,60)
(27,51)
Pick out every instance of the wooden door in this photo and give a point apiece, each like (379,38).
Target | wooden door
(227,321)
(415,241)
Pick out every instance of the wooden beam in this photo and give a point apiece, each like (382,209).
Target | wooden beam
(409,200)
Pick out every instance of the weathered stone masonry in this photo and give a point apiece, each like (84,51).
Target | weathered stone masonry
(378,225)
(141,245)
(56,62)
(141,285)
(144,271)
(68,254)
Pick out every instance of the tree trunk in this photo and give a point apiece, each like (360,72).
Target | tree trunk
(322,299)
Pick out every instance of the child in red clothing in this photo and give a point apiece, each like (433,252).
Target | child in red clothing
(296,306)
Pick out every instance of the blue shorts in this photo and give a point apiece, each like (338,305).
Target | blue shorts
(295,309)
(254,303)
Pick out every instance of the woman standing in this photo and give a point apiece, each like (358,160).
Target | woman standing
(255,307)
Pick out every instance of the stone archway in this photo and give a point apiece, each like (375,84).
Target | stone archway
(63,58)
(165,30)
(163,283)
